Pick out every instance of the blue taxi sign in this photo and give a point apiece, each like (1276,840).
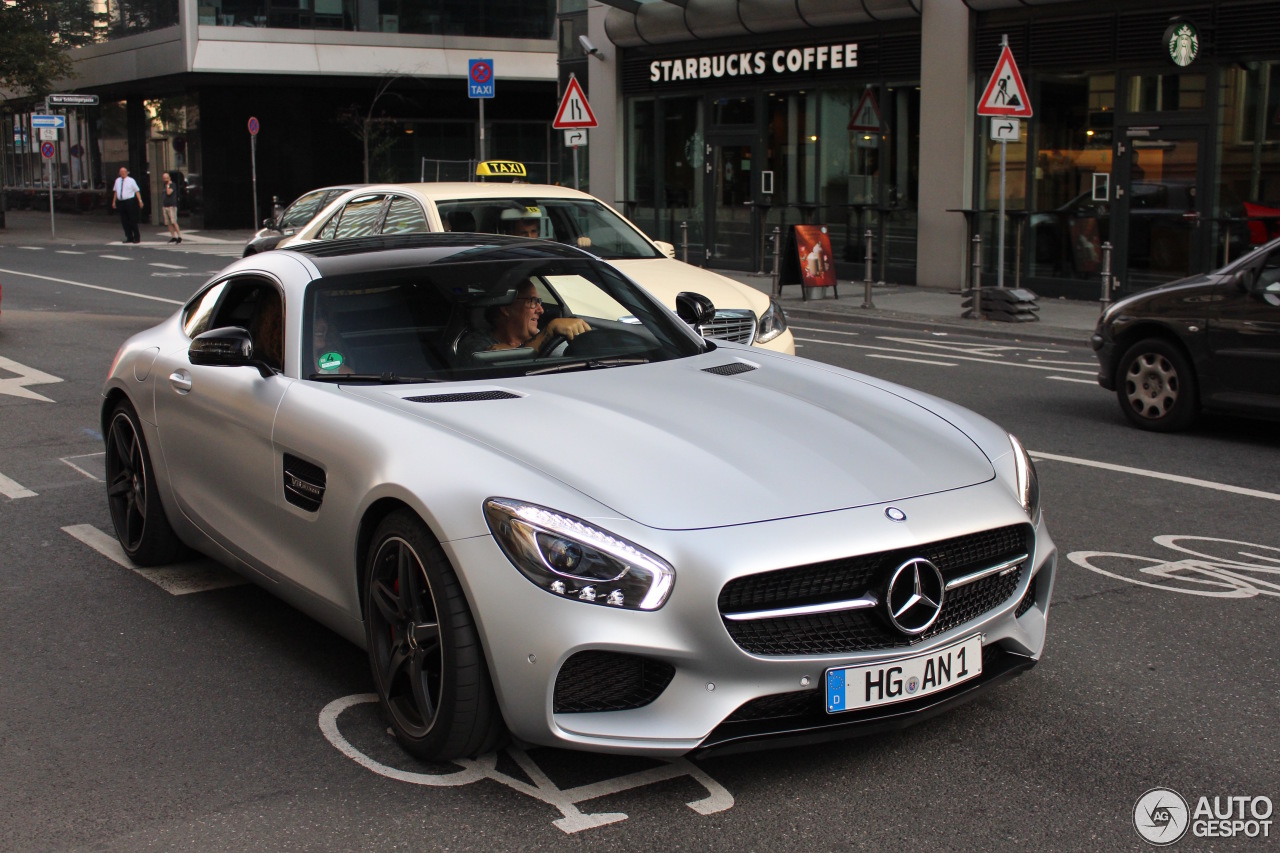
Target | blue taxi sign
(480,82)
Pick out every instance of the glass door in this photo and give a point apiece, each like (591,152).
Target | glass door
(1163,206)
(731,182)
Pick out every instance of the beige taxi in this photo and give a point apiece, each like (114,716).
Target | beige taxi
(743,314)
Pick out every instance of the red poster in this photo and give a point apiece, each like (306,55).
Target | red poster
(814,245)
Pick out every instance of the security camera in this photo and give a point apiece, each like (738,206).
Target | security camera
(587,47)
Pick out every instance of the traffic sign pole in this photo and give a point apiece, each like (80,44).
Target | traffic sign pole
(253,163)
(1005,95)
(481,86)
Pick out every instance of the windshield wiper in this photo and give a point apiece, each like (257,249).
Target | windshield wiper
(589,364)
(383,378)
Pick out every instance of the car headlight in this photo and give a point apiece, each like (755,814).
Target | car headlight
(1027,482)
(773,322)
(573,559)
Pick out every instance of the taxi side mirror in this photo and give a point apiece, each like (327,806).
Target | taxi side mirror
(666,248)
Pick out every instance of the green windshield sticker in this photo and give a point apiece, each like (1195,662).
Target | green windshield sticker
(330,361)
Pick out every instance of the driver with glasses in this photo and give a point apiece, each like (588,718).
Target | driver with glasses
(515,325)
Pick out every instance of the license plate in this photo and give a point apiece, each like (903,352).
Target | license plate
(852,687)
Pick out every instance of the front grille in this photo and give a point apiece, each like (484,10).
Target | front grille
(1028,598)
(734,325)
(609,681)
(852,577)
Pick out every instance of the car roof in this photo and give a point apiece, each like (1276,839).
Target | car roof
(450,190)
(400,251)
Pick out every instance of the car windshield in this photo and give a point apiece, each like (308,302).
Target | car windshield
(473,316)
(585,223)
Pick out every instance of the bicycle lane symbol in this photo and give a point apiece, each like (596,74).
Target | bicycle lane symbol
(565,800)
(1246,571)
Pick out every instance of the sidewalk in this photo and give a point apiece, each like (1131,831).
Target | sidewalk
(905,306)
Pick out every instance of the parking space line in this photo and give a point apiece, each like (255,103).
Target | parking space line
(1073,379)
(115,257)
(32,248)
(915,360)
(795,328)
(1157,475)
(94,286)
(68,252)
(66,460)
(181,579)
(167,266)
(14,490)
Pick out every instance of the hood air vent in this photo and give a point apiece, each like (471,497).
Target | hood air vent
(467,397)
(732,369)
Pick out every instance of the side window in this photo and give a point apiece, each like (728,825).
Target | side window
(301,211)
(330,228)
(404,215)
(360,217)
(195,317)
(256,305)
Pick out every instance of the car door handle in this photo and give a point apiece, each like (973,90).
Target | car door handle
(180,381)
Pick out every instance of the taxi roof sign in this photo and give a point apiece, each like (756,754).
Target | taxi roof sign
(501,169)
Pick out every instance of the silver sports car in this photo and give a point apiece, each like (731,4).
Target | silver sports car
(550,509)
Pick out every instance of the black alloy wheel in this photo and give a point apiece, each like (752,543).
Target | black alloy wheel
(1156,386)
(136,512)
(425,653)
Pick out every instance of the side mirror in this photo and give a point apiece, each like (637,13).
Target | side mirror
(1245,279)
(230,346)
(694,308)
(270,222)
(666,248)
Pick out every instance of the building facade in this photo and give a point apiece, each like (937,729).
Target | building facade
(1155,129)
(329,82)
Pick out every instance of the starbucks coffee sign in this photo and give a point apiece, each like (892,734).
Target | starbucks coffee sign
(1182,40)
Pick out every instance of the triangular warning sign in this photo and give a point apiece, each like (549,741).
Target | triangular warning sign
(1005,95)
(574,110)
(867,114)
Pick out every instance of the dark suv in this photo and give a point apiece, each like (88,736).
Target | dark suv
(1209,342)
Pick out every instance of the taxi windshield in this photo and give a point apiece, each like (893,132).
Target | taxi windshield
(470,318)
(584,223)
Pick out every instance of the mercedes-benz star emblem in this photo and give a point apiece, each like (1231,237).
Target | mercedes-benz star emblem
(913,599)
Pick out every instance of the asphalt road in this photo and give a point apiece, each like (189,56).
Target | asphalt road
(137,719)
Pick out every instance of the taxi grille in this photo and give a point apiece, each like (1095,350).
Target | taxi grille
(736,326)
(609,681)
(867,629)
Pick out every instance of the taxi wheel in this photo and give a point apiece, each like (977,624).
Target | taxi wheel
(136,512)
(1156,386)
(428,665)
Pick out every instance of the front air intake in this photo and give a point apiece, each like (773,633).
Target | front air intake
(609,681)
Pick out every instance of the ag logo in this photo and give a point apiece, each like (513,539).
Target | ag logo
(1161,816)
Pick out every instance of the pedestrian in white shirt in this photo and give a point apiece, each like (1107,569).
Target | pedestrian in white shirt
(127,198)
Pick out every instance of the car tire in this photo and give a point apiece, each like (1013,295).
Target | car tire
(1156,386)
(134,501)
(424,650)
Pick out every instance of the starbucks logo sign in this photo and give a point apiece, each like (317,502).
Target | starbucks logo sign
(1182,40)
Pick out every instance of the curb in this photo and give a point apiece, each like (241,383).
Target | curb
(956,325)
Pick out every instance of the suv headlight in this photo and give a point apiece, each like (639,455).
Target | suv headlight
(573,559)
(773,322)
(1027,482)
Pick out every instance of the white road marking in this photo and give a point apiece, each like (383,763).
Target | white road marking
(66,460)
(564,799)
(26,376)
(1073,379)
(32,248)
(115,257)
(168,266)
(971,348)
(950,355)
(1157,475)
(68,252)
(94,286)
(826,331)
(180,579)
(1039,360)
(14,490)
(916,360)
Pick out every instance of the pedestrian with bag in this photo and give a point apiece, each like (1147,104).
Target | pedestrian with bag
(169,207)
(127,198)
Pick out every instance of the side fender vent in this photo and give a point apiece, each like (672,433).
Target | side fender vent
(731,369)
(467,397)
(303,483)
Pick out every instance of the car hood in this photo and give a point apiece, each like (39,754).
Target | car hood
(664,278)
(673,446)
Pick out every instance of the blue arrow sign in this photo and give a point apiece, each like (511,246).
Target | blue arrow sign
(48,121)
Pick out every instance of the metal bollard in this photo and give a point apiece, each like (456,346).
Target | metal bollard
(1106,275)
(684,239)
(975,282)
(777,255)
(866,278)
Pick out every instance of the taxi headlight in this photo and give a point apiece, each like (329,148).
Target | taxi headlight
(573,559)
(1027,482)
(773,322)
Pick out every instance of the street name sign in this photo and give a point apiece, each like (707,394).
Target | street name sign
(69,100)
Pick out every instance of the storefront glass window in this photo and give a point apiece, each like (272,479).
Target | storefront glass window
(900,183)
(1066,226)
(489,18)
(740,110)
(642,201)
(1248,177)
(791,140)
(683,154)
(1153,93)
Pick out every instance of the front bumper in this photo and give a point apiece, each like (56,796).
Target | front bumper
(1104,347)
(716,691)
